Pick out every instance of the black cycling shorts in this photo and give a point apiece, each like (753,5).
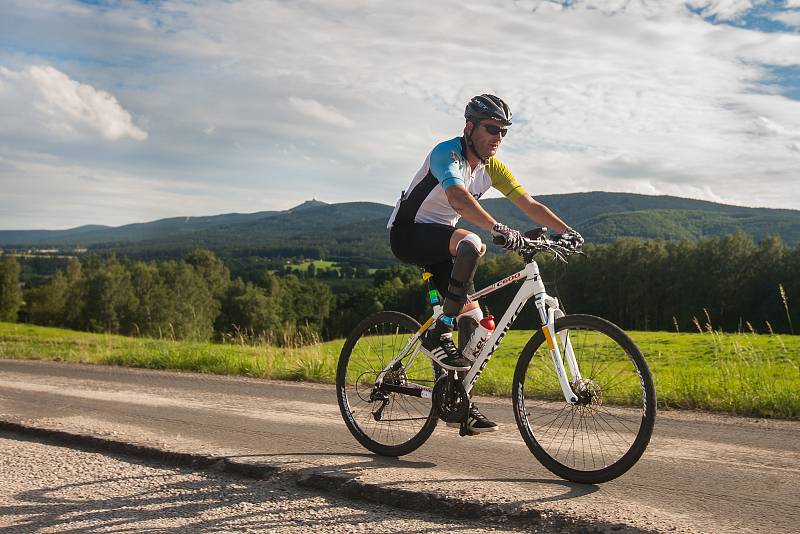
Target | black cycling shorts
(426,245)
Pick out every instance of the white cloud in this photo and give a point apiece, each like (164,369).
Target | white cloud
(45,96)
(639,95)
(316,110)
(724,9)
(44,194)
(789,18)
(765,126)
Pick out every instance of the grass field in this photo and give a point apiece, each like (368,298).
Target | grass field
(319,264)
(744,374)
(302,267)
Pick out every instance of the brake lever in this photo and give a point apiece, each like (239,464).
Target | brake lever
(553,249)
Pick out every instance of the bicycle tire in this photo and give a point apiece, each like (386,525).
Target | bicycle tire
(618,378)
(372,344)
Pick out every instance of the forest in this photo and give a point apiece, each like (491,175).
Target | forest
(729,283)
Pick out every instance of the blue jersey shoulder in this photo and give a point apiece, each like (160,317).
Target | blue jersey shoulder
(447,162)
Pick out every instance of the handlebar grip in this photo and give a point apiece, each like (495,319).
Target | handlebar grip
(499,240)
(536,233)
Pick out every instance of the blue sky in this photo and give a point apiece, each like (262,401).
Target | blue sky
(116,112)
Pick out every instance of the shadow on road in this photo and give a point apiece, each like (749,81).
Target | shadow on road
(340,473)
(152,503)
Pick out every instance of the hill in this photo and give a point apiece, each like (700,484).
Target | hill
(96,234)
(602,217)
(356,231)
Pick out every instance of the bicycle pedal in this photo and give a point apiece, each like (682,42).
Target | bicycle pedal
(463,430)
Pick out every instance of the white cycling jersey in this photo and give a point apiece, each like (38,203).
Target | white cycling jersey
(425,200)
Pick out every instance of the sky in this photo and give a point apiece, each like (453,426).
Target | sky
(114,112)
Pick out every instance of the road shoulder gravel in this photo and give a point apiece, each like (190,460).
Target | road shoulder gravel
(444,511)
(57,488)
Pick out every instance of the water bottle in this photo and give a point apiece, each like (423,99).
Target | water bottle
(479,337)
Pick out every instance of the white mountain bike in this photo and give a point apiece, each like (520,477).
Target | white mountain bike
(582,393)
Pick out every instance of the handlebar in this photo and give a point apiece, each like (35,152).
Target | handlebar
(536,241)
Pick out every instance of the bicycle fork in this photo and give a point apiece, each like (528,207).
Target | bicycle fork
(548,313)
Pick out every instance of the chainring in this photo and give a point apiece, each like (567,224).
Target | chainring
(450,399)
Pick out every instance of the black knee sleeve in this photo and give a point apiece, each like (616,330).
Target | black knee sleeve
(466,263)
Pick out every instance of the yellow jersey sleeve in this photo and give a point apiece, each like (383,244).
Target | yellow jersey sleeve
(503,180)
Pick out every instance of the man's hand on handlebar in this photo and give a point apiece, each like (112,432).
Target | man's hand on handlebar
(569,239)
(508,238)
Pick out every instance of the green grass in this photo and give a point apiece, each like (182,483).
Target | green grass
(302,267)
(745,374)
(319,264)
(315,363)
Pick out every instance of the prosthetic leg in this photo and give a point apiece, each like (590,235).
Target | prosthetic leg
(437,342)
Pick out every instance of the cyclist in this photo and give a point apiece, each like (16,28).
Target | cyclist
(454,175)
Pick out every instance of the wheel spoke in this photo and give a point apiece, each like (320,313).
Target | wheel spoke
(589,441)
(405,421)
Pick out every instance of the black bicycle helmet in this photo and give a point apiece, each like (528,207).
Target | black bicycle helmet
(487,106)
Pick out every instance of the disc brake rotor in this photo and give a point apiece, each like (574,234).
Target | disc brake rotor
(588,392)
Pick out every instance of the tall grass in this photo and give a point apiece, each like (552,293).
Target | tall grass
(314,362)
(746,374)
(785,302)
(740,373)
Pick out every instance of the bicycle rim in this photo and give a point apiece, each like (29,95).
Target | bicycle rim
(387,423)
(603,435)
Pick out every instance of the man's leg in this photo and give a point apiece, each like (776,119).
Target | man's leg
(470,313)
(438,340)
(466,323)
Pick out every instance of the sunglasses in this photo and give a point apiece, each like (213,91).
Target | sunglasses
(494,130)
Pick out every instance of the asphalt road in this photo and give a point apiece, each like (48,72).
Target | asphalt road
(701,473)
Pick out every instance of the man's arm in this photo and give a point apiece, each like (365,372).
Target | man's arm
(466,206)
(506,183)
(539,213)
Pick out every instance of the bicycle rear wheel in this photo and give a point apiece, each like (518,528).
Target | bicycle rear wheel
(384,421)
(605,433)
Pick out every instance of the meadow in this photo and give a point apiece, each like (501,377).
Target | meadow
(747,374)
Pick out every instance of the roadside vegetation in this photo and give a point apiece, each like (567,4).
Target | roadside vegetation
(639,285)
(716,318)
(744,374)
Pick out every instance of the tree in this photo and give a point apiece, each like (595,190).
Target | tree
(150,318)
(191,308)
(10,292)
(46,303)
(75,298)
(362,271)
(247,308)
(109,302)
(304,305)
(211,269)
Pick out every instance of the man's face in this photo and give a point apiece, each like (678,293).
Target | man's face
(487,143)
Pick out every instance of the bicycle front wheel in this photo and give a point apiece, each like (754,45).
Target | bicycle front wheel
(602,435)
(384,419)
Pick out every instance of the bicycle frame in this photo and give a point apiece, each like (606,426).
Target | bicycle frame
(549,311)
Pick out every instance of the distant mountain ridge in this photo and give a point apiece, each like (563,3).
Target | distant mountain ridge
(359,228)
(603,216)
